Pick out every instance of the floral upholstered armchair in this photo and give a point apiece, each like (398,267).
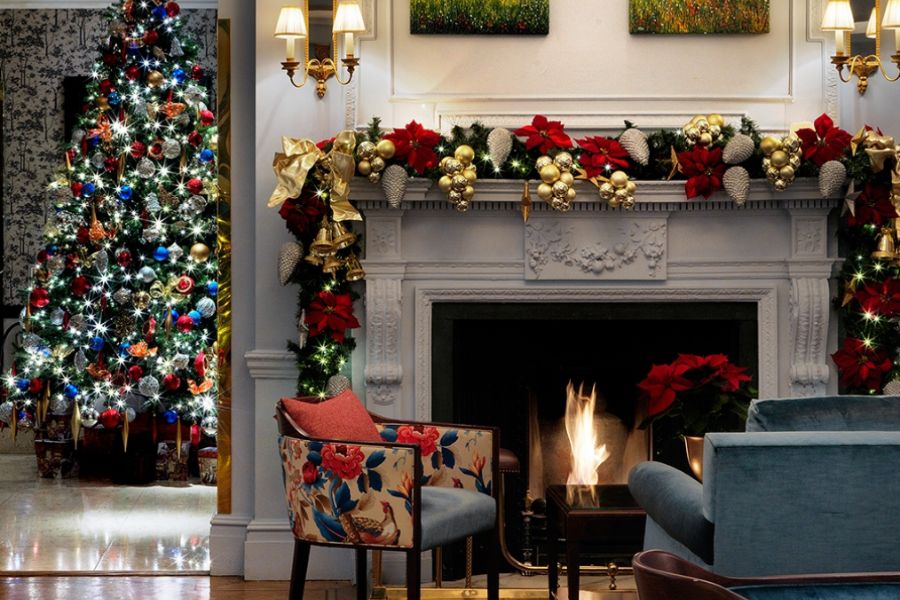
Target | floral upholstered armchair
(412,488)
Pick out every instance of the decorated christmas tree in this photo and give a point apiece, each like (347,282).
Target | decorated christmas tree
(120,318)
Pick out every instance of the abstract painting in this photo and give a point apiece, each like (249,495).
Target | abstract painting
(490,17)
(699,16)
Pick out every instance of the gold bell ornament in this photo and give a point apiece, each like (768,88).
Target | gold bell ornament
(373,158)
(323,245)
(781,159)
(340,237)
(332,264)
(886,246)
(703,129)
(355,271)
(459,177)
(618,190)
(557,182)
(313,260)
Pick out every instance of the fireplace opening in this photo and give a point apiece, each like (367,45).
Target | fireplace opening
(508,366)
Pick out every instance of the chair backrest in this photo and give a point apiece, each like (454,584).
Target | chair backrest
(827,413)
(286,425)
(663,576)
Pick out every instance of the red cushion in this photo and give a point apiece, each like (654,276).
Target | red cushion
(340,418)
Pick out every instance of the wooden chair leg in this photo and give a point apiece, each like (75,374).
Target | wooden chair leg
(298,570)
(493,566)
(362,575)
(413,575)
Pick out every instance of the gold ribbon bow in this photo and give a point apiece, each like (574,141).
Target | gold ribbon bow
(167,292)
(292,168)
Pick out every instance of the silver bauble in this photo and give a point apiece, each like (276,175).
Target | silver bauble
(32,342)
(81,361)
(206,307)
(175,49)
(180,361)
(130,414)
(56,264)
(98,160)
(60,405)
(175,252)
(171,149)
(153,205)
(145,168)
(57,316)
(194,94)
(89,417)
(78,323)
(148,386)
(147,274)
(101,261)
(122,296)
(77,136)
(210,425)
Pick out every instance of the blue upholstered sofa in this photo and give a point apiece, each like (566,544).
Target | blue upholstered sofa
(812,486)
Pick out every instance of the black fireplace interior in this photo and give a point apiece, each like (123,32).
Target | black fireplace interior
(488,358)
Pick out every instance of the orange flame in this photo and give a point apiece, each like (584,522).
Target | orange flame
(587,454)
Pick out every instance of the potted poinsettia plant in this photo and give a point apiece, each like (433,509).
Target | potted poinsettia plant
(695,395)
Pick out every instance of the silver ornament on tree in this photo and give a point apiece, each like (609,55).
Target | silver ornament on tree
(180,361)
(77,136)
(57,316)
(122,296)
(206,307)
(89,416)
(736,182)
(337,384)
(81,361)
(148,386)
(289,257)
(56,264)
(210,425)
(175,49)
(170,148)
(147,274)
(500,143)
(302,330)
(153,205)
(145,168)
(393,183)
(78,323)
(60,405)
(832,177)
(738,149)
(175,252)
(101,261)
(635,143)
(130,414)
(193,94)
(98,160)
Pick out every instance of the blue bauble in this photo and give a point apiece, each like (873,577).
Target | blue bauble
(70,391)
(52,249)
(207,155)
(114,99)
(212,288)
(22,384)
(123,349)
(175,315)
(94,141)
(160,12)
(97,343)
(195,317)
(161,253)
(88,190)
(45,351)
(125,192)
(170,416)
(179,75)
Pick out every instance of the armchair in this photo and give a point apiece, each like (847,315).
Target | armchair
(424,486)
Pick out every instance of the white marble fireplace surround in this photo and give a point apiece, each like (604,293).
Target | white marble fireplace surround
(777,251)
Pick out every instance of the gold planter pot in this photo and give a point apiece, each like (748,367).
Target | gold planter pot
(693,446)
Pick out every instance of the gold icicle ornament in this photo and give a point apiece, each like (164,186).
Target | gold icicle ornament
(125,431)
(76,422)
(525,204)
(177,437)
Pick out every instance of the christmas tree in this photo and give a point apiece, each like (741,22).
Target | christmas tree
(120,317)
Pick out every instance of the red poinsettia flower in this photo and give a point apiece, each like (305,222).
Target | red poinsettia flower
(825,143)
(324,143)
(425,436)
(416,144)
(704,169)
(332,313)
(302,215)
(343,460)
(860,365)
(873,206)
(732,377)
(544,135)
(880,298)
(602,154)
(662,384)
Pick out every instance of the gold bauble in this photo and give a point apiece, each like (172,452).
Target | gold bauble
(155,79)
(781,184)
(366,150)
(702,125)
(769,145)
(567,178)
(200,252)
(455,197)
(692,132)
(771,173)
(622,196)
(705,139)
(451,166)
(103,102)
(780,158)
(141,300)
(464,154)
(631,188)
(545,191)
(542,162)
(564,161)
(378,164)
(619,179)
(607,190)
(716,120)
(549,173)
(470,173)
(445,184)
(795,160)
(786,172)
(374,177)
(364,167)
(570,195)
(386,149)
(715,131)
(560,190)
(468,193)
(459,183)
(792,143)
(443,163)
(697,119)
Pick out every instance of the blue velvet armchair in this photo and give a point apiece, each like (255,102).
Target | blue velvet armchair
(812,486)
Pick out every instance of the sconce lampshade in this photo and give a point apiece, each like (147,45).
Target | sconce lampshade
(872,26)
(348,17)
(291,23)
(838,16)
(891,18)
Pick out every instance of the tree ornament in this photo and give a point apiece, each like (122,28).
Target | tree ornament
(124,324)
(618,190)
(147,274)
(110,418)
(175,252)
(337,384)
(184,284)
(153,205)
(703,130)
(171,149)
(100,260)
(155,79)
(135,373)
(832,177)
(97,160)
(122,296)
(70,391)
(148,386)
(58,316)
(6,412)
(207,118)
(200,252)
(89,417)
(195,186)
(738,149)
(180,361)
(195,316)
(184,324)
(736,182)
(210,425)
(635,143)
(782,157)
(80,361)
(459,177)
(175,49)
(155,150)
(556,181)
(161,254)
(80,286)
(499,143)
(212,288)
(59,405)
(97,343)
(289,257)
(78,323)
(39,298)
(170,416)
(393,183)
(125,193)
(171,382)
(206,307)
(145,168)
(141,300)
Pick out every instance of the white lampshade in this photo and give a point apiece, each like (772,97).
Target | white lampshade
(838,16)
(872,26)
(348,17)
(891,18)
(291,23)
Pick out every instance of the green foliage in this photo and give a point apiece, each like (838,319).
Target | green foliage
(480,16)
(699,16)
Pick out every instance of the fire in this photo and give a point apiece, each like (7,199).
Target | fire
(587,454)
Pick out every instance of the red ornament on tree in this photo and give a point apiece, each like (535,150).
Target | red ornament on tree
(83,236)
(196,72)
(171,381)
(71,154)
(123,257)
(195,186)
(111,164)
(106,87)
(184,324)
(36,385)
(156,151)
(72,261)
(138,149)
(80,286)
(42,256)
(184,285)
(195,138)
(76,188)
(110,418)
(110,59)
(200,364)
(207,117)
(172,9)
(195,435)
(135,372)
(132,73)
(151,37)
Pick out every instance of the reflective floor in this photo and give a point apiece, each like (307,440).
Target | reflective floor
(73,525)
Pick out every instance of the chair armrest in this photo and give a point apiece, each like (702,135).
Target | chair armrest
(352,493)
(674,501)
(458,456)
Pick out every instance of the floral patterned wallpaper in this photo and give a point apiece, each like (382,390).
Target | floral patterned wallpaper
(38,49)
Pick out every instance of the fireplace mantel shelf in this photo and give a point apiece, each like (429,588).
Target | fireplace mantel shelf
(500,195)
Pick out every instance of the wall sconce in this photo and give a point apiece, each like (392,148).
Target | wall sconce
(839,19)
(293,25)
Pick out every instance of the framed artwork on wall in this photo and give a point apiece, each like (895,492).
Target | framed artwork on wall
(699,16)
(486,17)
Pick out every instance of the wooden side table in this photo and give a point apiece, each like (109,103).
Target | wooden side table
(589,515)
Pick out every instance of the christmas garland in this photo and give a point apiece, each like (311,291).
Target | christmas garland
(707,153)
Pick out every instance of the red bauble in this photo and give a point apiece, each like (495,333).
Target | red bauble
(135,373)
(184,285)
(39,298)
(80,286)
(195,186)
(195,138)
(172,9)
(110,58)
(83,236)
(72,261)
(172,381)
(111,164)
(76,188)
(138,149)
(110,418)
(106,87)
(197,72)
(195,435)
(151,37)
(42,256)
(207,117)
(71,154)
(123,257)
(200,364)
(36,385)
(184,324)
(156,151)
(132,73)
